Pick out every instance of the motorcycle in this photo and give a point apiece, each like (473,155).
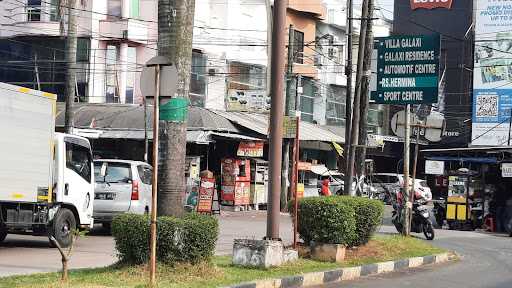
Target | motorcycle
(440,211)
(420,220)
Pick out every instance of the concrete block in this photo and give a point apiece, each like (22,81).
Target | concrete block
(429,259)
(351,273)
(304,251)
(328,252)
(333,276)
(385,267)
(292,282)
(415,262)
(401,264)
(315,278)
(369,269)
(257,253)
(290,255)
(271,283)
(440,258)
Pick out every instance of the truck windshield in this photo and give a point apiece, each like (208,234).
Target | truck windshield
(78,159)
(115,173)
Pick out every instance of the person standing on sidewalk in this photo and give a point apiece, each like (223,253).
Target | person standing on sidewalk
(325,187)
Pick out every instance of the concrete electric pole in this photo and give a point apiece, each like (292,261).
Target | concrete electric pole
(348,101)
(288,110)
(365,93)
(175,28)
(354,138)
(276,118)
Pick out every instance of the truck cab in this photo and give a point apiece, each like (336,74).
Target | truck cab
(66,204)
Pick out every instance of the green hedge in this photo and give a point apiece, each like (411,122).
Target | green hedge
(189,239)
(326,220)
(339,219)
(369,214)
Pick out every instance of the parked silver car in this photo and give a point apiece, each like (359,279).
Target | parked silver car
(121,186)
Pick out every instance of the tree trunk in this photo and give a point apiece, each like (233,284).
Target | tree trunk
(70,65)
(175,28)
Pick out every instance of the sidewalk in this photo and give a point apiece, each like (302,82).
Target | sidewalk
(251,225)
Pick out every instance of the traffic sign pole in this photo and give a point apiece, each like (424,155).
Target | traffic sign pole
(406,196)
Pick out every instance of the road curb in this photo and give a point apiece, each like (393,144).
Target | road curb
(350,273)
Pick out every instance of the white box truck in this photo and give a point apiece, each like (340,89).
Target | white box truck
(47,177)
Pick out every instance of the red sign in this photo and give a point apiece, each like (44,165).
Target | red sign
(304,166)
(205,199)
(431,4)
(250,149)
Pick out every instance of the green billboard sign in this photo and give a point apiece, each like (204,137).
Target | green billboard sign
(407,70)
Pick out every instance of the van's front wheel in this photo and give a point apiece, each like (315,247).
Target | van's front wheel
(62,227)
(3,233)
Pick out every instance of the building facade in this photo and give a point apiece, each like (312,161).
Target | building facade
(456,61)
(114,37)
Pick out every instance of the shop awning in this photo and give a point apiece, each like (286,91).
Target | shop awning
(130,117)
(320,169)
(481,160)
(259,123)
(236,136)
(197,137)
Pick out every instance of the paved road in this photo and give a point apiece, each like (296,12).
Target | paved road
(486,262)
(486,259)
(27,254)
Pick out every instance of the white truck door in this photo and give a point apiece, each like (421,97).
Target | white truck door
(78,178)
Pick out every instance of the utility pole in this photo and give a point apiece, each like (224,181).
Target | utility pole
(70,66)
(289,107)
(415,160)
(175,28)
(276,118)
(408,205)
(357,99)
(365,83)
(509,126)
(348,100)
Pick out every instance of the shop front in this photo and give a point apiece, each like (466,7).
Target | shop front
(472,187)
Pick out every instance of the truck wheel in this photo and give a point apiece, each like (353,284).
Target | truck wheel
(107,226)
(3,233)
(62,227)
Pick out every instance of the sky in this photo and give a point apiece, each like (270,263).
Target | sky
(387,7)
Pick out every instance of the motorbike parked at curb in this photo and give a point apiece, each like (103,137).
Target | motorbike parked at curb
(420,220)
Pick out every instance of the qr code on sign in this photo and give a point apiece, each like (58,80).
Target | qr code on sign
(487,106)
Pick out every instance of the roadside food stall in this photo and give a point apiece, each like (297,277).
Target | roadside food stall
(464,204)
(471,186)
(259,182)
(192,169)
(235,182)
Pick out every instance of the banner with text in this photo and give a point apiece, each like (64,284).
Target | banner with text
(492,76)
(407,69)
